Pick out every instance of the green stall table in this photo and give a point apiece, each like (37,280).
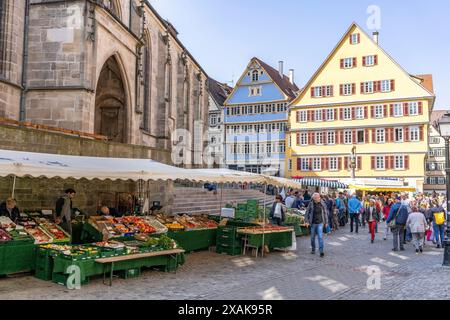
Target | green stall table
(94,266)
(17,256)
(271,239)
(194,240)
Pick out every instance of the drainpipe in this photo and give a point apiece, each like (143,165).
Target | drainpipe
(24,60)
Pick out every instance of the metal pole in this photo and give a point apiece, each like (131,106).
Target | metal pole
(14,187)
(221,196)
(264,219)
(446,243)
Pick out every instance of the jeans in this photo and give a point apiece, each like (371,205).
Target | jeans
(372,226)
(386,231)
(317,229)
(408,236)
(439,233)
(341,216)
(399,234)
(354,218)
(418,240)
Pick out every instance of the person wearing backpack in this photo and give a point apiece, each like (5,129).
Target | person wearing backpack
(340,205)
(354,208)
(437,215)
(397,222)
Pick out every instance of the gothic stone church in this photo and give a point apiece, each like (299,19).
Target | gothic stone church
(113,68)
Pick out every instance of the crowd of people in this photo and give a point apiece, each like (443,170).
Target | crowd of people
(408,219)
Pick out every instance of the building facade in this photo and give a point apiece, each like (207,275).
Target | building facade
(108,67)
(218,93)
(256,119)
(435,177)
(361,98)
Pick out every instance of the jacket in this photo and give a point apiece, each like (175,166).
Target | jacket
(417,222)
(15,214)
(376,214)
(310,213)
(386,211)
(354,205)
(340,203)
(59,208)
(297,203)
(283,211)
(398,212)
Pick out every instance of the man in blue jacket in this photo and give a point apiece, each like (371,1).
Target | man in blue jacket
(399,212)
(354,208)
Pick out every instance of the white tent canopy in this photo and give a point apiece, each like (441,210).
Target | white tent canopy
(37,165)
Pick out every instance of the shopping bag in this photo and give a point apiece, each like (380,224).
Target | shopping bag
(439,217)
(327,230)
(428,234)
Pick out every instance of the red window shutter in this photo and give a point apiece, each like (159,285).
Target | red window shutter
(392,162)
(420,107)
(374,135)
(335,114)
(372,112)
(353,88)
(324,91)
(376,59)
(406,134)
(421,133)
(377,86)
(391,110)
(366,134)
(372,161)
(341,89)
(392,85)
(324,114)
(332,91)
(325,138)
(310,164)
(359,38)
(312,92)
(353,113)
(364,61)
(355,62)
(298,139)
(345,163)
(310,138)
(405,109)
(327,164)
(341,138)
(310,115)
(359,163)
(298,116)
(362,87)
(366,112)
(339,163)
(341,115)
(354,136)
(385,111)
(387,163)
(342,63)
(299,164)
(406,162)
(390,133)
(323,164)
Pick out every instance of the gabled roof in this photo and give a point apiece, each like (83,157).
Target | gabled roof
(427,81)
(424,84)
(219,91)
(288,88)
(436,116)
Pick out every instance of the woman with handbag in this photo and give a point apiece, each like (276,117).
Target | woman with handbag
(372,216)
(437,215)
(386,210)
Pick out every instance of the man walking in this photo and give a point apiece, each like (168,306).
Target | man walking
(278,212)
(418,224)
(354,207)
(399,214)
(316,216)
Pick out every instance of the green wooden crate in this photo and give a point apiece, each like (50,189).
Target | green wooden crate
(16,258)
(130,273)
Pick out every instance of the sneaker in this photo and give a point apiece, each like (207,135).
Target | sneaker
(395,250)
(313,252)
(371,241)
(421,250)
(402,249)
(322,255)
(417,251)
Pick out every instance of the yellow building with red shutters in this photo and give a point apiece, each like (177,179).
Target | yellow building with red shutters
(360,97)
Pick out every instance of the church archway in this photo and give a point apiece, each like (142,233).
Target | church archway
(111,103)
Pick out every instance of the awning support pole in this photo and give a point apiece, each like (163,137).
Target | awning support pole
(14,187)
(221,196)
(264,219)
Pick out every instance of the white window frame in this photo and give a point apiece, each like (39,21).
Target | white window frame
(318,137)
(290,165)
(348,137)
(333,164)
(304,139)
(347,89)
(441,180)
(379,111)
(399,163)
(330,115)
(369,87)
(398,110)
(354,38)
(414,134)
(317,164)
(303,116)
(380,163)
(304,164)
(347,112)
(255,72)
(318,115)
(360,113)
(331,137)
(327,92)
(348,63)
(402,135)
(413,106)
(386,86)
(318,92)
(370,61)
(380,135)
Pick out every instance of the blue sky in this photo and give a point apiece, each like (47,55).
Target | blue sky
(223,35)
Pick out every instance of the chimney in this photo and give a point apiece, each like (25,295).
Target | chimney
(291,75)
(280,69)
(376,35)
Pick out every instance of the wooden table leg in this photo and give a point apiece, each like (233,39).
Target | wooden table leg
(111,275)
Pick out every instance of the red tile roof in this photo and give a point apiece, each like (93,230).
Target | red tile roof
(427,81)
(284,83)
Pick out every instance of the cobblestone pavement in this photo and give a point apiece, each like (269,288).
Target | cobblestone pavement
(342,274)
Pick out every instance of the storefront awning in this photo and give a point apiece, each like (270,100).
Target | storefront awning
(382,189)
(314,182)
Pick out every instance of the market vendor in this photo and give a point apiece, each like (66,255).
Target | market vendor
(9,209)
(278,212)
(63,211)
(107,211)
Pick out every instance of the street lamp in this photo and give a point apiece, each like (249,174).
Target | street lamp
(444,130)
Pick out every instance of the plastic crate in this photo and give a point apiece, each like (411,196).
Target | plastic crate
(130,273)
(231,251)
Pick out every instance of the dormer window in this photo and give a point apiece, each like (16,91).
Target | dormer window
(255,76)
(355,38)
